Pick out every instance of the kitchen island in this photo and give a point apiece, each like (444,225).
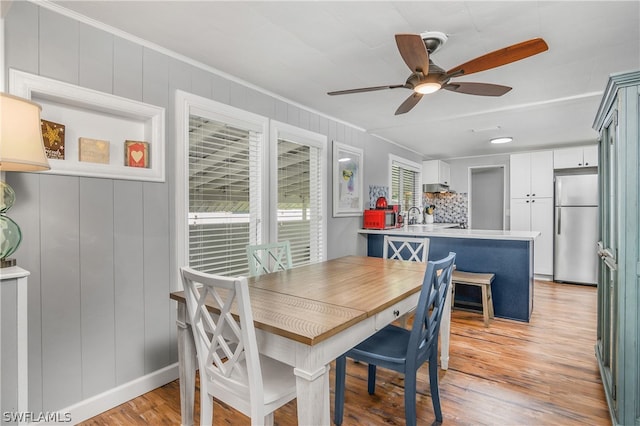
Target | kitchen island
(507,254)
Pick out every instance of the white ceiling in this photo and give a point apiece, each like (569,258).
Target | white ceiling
(301,50)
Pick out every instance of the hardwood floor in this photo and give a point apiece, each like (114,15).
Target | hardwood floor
(512,373)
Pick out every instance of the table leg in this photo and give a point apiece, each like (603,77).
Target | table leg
(186,366)
(445,331)
(312,392)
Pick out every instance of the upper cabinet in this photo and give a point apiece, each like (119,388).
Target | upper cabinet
(531,174)
(436,171)
(571,158)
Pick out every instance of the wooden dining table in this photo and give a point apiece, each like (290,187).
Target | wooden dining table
(309,315)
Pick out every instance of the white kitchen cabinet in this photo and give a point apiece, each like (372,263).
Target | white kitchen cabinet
(590,156)
(575,157)
(436,171)
(531,204)
(531,174)
(542,221)
(536,214)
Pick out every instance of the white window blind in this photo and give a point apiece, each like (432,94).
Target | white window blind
(230,194)
(224,194)
(299,205)
(406,185)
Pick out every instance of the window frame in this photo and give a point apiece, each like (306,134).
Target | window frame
(408,165)
(280,130)
(186,105)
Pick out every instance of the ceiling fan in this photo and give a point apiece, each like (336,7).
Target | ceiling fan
(427,77)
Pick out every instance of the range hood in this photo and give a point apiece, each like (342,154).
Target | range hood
(436,187)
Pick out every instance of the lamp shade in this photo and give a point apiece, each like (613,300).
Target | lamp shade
(21,147)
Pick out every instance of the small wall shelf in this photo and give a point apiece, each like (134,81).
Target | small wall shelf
(88,113)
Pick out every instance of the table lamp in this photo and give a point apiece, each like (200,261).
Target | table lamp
(21,150)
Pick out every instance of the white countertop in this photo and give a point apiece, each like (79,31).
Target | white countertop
(442,230)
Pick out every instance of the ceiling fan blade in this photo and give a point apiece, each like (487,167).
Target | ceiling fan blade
(409,103)
(366,89)
(481,89)
(501,57)
(414,52)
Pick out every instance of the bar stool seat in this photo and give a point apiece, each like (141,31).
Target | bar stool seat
(482,280)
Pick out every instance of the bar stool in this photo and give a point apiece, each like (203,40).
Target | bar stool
(476,279)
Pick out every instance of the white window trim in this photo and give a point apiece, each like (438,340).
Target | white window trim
(407,164)
(186,104)
(287,131)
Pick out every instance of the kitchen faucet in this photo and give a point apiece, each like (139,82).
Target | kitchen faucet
(412,220)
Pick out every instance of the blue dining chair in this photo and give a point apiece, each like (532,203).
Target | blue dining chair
(403,350)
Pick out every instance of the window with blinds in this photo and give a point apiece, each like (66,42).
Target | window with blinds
(242,179)
(224,194)
(406,185)
(299,206)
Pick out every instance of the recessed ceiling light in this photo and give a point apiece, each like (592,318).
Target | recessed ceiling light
(505,139)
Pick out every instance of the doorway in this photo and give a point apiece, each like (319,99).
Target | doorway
(487,197)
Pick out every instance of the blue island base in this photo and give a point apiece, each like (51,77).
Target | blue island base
(510,260)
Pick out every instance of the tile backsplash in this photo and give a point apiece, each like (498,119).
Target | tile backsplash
(375,192)
(450,207)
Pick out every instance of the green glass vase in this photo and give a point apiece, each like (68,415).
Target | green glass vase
(10,236)
(7,197)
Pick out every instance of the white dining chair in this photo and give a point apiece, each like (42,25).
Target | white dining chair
(406,248)
(232,370)
(414,249)
(266,258)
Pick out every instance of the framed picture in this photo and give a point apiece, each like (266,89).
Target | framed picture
(347,180)
(53,139)
(93,150)
(136,154)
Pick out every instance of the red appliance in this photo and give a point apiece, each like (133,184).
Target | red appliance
(381,203)
(379,219)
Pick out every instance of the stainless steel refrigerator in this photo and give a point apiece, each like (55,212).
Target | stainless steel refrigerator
(576,229)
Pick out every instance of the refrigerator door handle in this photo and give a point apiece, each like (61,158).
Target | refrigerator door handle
(559,219)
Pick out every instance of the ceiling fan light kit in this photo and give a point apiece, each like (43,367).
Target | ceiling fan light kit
(427,87)
(427,77)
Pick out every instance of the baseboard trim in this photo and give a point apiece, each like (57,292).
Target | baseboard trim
(543,277)
(100,403)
